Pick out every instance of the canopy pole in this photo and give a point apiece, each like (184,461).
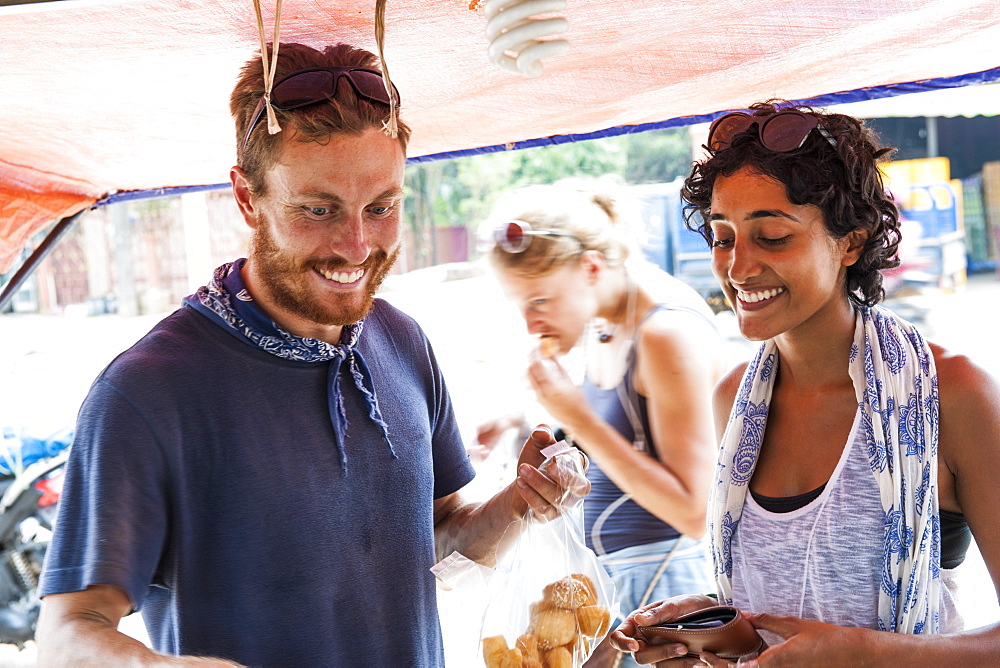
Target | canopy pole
(40,253)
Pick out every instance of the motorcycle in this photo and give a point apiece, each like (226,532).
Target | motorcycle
(32,471)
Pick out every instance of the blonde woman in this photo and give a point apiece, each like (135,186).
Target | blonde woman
(564,255)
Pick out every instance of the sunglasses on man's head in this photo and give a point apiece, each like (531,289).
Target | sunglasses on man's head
(319,84)
(515,236)
(781,131)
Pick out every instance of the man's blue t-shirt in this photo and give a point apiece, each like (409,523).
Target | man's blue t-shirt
(205,481)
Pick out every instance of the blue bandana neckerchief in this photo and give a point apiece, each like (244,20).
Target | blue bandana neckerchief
(226,301)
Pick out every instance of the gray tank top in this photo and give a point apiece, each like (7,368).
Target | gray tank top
(823,561)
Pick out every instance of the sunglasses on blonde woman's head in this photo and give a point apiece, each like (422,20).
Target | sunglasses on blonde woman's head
(319,84)
(781,131)
(515,236)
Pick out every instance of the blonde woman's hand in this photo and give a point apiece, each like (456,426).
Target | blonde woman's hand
(556,391)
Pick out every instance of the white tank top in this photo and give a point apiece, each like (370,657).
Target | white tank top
(823,561)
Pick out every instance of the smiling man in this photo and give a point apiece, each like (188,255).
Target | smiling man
(324,240)
(270,473)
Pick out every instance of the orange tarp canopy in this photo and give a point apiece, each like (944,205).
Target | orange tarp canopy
(99,97)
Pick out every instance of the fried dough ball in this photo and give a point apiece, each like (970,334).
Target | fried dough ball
(593,620)
(571,592)
(539,606)
(494,648)
(586,582)
(554,627)
(566,622)
(548,346)
(510,659)
(580,647)
(528,644)
(560,657)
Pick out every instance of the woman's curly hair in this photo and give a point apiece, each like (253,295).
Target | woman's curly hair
(843,181)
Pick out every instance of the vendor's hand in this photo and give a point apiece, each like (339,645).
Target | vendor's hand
(626,638)
(545,491)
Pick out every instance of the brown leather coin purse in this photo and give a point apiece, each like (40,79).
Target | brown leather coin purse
(721,630)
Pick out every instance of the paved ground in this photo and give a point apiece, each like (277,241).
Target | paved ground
(48,362)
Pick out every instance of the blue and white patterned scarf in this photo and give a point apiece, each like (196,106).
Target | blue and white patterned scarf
(895,380)
(226,301)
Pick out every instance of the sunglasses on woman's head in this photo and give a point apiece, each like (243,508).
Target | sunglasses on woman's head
(319,84)
(515,236)
(781,131)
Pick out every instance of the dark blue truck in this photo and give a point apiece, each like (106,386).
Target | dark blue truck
(671,246)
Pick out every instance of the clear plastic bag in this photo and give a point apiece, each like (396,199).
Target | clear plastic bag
(463,593)
(551,601)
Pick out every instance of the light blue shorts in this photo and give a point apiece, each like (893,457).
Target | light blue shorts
(632,569)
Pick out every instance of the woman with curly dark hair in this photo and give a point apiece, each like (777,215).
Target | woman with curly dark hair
(857,460)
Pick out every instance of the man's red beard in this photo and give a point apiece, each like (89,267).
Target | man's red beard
(287,279)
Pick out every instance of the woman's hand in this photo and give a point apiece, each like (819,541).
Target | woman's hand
(556,391)
(817,644)
(626,638)
(489,433)
(806,643)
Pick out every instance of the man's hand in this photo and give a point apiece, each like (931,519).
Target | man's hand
(480,531)
(560,483)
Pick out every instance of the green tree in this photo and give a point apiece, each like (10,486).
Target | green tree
(462,191)
(658,156)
